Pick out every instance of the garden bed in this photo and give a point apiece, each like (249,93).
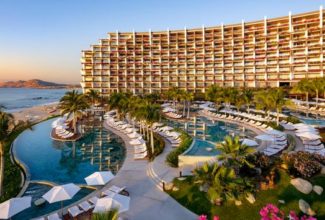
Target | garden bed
(192,198)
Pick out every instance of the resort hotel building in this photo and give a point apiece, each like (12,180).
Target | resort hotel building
(266,53)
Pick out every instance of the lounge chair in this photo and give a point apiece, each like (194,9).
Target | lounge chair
(74,211)
(54,216)
(141,155)
(85,206)
(93,200)
(116,189)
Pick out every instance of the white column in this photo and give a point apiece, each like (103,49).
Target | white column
(117,37)
(290,21)
(185,34)
(203,32)
(320,16)
(133,36)
(265,25)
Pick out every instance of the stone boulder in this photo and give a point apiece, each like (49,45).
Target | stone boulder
(318,189)
(250,198)
(302,185)
(305,208)
(238,203)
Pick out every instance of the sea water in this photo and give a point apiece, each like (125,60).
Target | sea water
(15,99)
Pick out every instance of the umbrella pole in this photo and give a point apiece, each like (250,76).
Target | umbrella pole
(62,208)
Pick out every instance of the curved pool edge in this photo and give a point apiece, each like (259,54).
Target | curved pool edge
(96,190)
(22,166)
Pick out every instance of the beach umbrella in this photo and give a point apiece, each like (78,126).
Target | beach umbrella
(137,142)
(134,135)
(249,142)
(13,206)
(309,135)
(274,132)
(174,134)
(166,128)
(288,127)
(105,204)
(265,137)
(99,178)
(165,104)
(61,193)
(156,124)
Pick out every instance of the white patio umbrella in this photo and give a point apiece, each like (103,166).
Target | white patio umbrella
(105,204)
(61,193)
(137,142)
(309,135)
(265,137)
(275,132)
(134,135)
(167,128)
(249,142)
(99,178)
(288,127)
(13,206)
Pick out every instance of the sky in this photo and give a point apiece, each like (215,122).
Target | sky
(43,38)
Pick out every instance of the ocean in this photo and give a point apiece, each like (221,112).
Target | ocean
(16,99)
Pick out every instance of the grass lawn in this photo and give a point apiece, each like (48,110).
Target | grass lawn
(195,200)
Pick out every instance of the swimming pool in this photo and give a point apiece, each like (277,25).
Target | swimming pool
(57,162)
(207,134)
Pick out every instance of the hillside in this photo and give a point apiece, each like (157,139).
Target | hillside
(34,83)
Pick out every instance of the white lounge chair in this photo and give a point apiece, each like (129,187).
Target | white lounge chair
(116,189)
(54,216)
(74,211)
(93,200)
(140,156)
(85,206)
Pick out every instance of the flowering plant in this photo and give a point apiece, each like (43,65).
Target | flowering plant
(271,212)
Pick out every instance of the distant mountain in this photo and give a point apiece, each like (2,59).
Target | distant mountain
(36,84)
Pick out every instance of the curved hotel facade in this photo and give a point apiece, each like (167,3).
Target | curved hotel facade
(266,53)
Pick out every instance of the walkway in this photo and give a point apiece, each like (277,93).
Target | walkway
(147,201)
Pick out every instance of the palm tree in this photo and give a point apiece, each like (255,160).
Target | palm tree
(239,102)
(204,176)
(248,97)
(120,102)
(278,101)
(303,86)
(214,94)
(230,95)
(73,103)
(233,153)
(8,127)
(317,86)
(189,98)
(93,96)
(263,102)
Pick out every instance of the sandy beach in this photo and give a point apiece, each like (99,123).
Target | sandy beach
(37,113)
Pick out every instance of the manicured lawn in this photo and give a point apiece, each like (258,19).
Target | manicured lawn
(190,197)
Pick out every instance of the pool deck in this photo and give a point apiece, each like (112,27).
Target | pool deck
(147,200)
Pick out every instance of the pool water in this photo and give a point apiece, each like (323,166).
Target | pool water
(202,148)
(55,162)
(309,118)
(208,133)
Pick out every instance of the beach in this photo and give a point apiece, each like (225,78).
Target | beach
(37,113)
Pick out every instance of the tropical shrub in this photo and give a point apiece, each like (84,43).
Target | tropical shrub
(186,141)
(293,119)
(302,164)
(159,145)
(261,161)
(273,125)
(319,158)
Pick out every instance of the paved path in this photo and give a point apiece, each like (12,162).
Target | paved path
(147,200)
